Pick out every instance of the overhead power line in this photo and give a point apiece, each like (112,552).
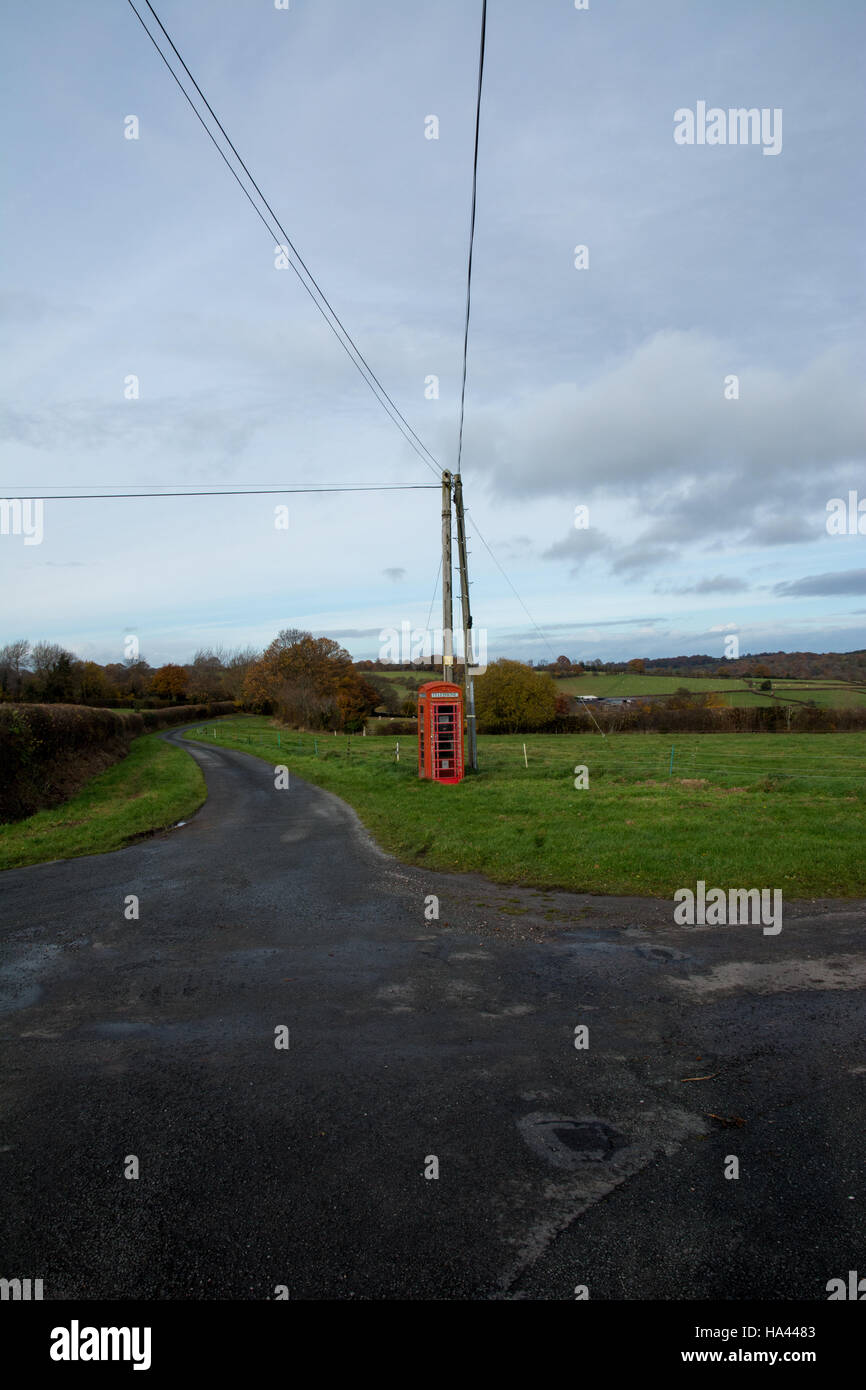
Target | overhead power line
(510,585)
(228,492)
(435,591)
(471,231)
(530,617)
(39,488)
(325,308)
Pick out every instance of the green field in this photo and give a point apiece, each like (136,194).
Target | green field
(739,810)
(827,693)
(154,786)
(833,694)
(398,679)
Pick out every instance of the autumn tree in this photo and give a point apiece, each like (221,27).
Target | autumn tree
(683,698)
(91,683)
(356,699)
(299,677)
(511,697)
(169,682)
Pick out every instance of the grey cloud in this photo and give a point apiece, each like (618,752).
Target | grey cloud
(395,574)
(656,428)
(629,558)
(202,426)
(840,582)
(565,628)
(577,547)
(783,530)
(718,584)
(639,558)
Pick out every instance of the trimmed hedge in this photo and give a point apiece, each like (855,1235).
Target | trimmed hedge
(654,718)
(48,751)
(392,726)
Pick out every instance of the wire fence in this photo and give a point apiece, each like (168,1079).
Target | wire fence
(832,764)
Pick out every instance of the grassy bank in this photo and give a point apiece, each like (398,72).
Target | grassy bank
(154,786)
(739,810)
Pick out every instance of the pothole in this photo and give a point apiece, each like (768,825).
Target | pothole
(661,953)
(567,1142)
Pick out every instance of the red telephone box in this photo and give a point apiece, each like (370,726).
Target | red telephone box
(440,732)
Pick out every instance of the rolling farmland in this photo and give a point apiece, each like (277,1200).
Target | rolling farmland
(730,808)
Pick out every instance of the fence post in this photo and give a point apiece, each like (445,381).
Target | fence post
(316,744)
(671,768)
(525,759)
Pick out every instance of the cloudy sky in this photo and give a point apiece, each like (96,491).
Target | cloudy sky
(606,386)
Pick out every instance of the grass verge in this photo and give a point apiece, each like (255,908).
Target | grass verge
(154,786)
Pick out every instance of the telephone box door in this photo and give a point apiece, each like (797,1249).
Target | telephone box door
(440,732)
(446,742)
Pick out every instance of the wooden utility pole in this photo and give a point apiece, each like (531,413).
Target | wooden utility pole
(468,683)
(447,608)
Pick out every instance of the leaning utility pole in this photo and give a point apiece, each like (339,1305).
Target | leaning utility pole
(447,613)
(468,683)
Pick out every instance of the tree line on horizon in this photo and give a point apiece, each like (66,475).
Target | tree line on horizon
(308,681)
(837,666)
(313,682)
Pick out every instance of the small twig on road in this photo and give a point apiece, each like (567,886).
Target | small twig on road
(702,1078)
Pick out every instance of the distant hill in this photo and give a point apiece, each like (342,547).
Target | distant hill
(840,666)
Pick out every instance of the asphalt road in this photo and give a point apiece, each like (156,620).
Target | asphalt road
(409,1038)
